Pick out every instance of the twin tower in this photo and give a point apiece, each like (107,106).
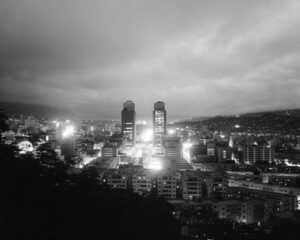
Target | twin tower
(159,122)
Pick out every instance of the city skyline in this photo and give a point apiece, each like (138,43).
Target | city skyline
(203,57)
(150,119)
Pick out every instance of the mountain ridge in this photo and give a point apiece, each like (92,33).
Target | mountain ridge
(38,110)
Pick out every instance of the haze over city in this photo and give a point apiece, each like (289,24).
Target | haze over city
(150,119)
(202,57)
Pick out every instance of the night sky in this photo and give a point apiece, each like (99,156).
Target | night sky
(201,57)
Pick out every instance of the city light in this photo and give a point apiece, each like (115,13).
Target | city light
(120,120)
(154,164)
(143,122)
(147,135)
(56,123)
(129,151)
(186,151)
(186,146)
(286,162)
(139,153)
(69,131)
(171,131)
(25,146)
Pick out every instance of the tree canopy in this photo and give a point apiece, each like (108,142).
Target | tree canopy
(41,200)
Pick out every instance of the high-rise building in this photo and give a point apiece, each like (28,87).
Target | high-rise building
(223,154)
(252,154)
(128,122)
(68,146)
(266,154)
(172,147)
(67,142)
(159,123)
(211,149)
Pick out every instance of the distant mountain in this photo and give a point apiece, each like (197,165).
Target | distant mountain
(35,110)
(277,122)
(290,112)
(196,119)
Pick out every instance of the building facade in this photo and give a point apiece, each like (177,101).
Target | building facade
(128,123)
(159,124)
(67,145)
(166,186)
(141,183)
(192,184)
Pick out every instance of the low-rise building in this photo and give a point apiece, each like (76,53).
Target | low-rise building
(110,150)
(166,185)
(192,183)
(267,188)
(253,211)
(216,186)
(228,209)
(141,183)
(117,180)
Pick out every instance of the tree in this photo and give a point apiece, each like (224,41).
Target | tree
(53,169)
(3,124)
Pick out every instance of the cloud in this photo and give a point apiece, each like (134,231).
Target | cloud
(200,57)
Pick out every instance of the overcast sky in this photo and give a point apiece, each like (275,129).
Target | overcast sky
(200,57)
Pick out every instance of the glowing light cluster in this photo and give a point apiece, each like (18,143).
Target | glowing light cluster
(68,132)
(286,162)
(139,153)
(222,136)
(154,165)
(186,146)
(147,135)
(25,146)
(56,123)
(171,131)
(129,152)
(143,122)
(186,151)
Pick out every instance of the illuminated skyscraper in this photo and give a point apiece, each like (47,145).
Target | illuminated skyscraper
(68,147)
(159,123)
(67,142)
(128,122)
